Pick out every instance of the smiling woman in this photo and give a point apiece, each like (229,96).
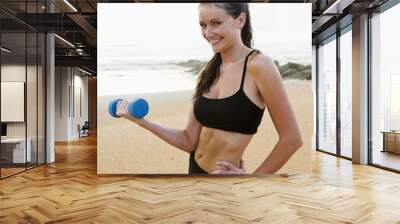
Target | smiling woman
(218,19)
(237,79)
(213,95)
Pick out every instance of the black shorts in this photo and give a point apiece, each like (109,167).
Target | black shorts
(194,168)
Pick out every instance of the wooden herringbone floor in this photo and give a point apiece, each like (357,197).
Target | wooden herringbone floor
(69,191)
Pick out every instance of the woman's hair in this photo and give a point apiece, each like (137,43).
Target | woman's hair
(210,73)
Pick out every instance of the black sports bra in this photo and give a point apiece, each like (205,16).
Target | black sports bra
(236,113)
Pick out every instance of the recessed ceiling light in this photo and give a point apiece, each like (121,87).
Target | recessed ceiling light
(338,6)
(5,50)
(84,71)
(64,40)
(70,5)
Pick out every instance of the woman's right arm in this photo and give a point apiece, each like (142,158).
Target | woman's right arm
(185,139)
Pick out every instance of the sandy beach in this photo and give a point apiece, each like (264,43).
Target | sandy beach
(125,148)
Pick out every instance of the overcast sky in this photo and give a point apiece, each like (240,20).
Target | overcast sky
(161,28)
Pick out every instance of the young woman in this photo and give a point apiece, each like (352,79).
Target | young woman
(230,98)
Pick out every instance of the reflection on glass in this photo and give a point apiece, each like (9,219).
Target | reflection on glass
(386,89)
(41,99)
(327,97)
(13,71)
(31,101)
(22,91)
(31,86)
(346,94)
(394,101)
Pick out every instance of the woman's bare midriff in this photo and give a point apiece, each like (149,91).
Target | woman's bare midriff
(215,145)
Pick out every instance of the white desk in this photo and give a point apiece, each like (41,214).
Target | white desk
(19,149)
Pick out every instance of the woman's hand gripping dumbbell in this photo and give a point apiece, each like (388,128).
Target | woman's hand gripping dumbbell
(134,110)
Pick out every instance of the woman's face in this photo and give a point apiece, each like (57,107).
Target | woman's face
(219,29)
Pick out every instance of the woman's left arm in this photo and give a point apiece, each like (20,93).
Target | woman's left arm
(270,86)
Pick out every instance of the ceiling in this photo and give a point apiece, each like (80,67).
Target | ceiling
(76,22)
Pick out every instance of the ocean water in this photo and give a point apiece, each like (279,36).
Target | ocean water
(122,72)
(128,77)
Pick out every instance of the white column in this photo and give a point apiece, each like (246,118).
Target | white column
(50,91)
(360,90)
(50,101)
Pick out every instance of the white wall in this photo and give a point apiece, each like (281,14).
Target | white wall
(70,84)
(13,73)
(61,103)
(33,126)
(80,100)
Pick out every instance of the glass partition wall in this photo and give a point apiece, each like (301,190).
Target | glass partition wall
(13,90)
(334,70)
(327,95)
(346,92)
(22,77)
(385,89)
(334,90)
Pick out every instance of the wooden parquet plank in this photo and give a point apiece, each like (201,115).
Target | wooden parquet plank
(70,191)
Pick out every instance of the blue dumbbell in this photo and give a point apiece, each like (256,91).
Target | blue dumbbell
(137,108)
